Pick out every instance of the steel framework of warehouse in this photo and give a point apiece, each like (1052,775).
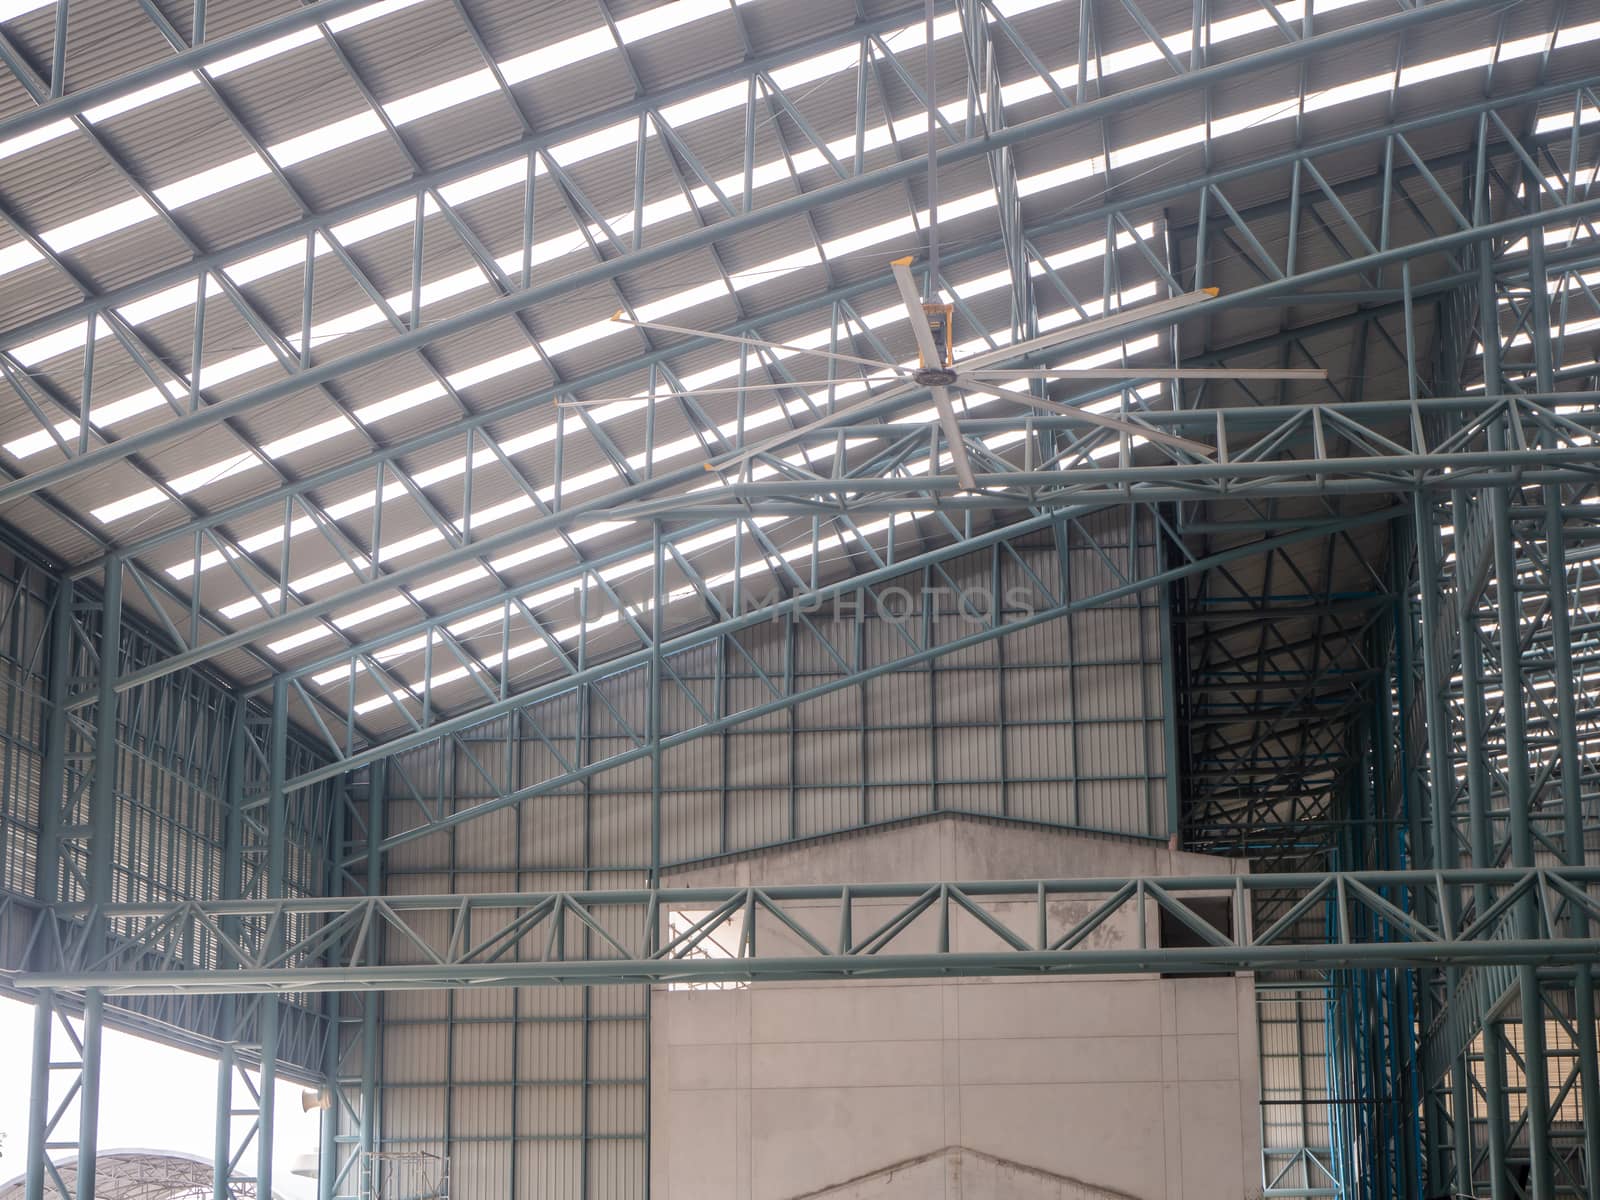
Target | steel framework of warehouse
(320,558)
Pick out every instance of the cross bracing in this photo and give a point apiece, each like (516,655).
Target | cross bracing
(259,595)
(826,931)
(350,552)
(322,402)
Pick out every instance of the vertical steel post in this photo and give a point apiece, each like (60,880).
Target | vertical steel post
(328,1136)
(370,1035)
(267,1022)
(222,1143)
(1519,795)
(89,1094)
(231,883)
(47,880)
(654,720)
(52,776)
(103,827)
(1480,843)
(1415,1163)
(1473,710)
(1169,697)
(39,1096)
(273,820)
(1566,709)
(653,703)
(102,786)
(930,56)
(1439,795)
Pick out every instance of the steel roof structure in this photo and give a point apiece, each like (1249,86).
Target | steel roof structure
(143,1175)
(321,448)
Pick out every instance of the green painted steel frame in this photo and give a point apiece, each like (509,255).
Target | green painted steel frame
(825,931)
(1410,801)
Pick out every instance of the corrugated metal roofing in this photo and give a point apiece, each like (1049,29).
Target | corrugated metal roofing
(285,99)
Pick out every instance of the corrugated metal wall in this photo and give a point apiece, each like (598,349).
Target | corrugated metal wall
(170,789)
(543,1092)
(1295,1131)
(24,636)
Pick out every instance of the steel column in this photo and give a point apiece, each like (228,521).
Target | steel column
(229,1149)
(39,1097)
(98,890)
(1519,795)
(274,818)
(1555,552)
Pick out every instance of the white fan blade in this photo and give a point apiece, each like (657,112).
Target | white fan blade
(839,416)
(799,385)
(919,322)
(622,318)
(1153,373)
(1087,329)
(952,435)
(1090,418)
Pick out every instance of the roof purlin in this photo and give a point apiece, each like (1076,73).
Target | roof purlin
(75,104)
(164,535)
(135,345)
(672,247)
(534,143)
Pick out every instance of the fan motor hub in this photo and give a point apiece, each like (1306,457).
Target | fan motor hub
(934,376)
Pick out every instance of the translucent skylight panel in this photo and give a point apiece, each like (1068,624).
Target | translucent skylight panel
(665,17)
(1564,120)
(441,96)
(220,178)
(217,69)
(11,9)
(690,445)
(544,434)
(405,109)
(709,290)
(454,285)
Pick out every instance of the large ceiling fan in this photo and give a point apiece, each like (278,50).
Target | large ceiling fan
(938,371)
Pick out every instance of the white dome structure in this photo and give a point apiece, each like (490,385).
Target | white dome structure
(142,1175)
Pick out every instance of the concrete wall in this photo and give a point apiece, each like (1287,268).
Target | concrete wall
(541,1092)
(1132,1086)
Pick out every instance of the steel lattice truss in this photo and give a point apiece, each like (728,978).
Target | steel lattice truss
(325,389)
(824,931)
(266,572)
(399,597)
(144,1175)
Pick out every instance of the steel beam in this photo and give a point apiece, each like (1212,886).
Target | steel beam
(1506,459)
(856,591)
(1051,124)
(819,931)
(237,512)
(73,104)
(233,513)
